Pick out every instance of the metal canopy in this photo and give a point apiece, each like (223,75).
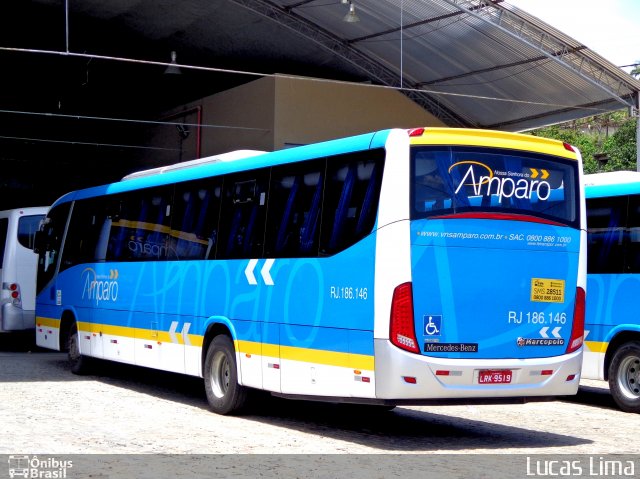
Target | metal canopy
(478,63)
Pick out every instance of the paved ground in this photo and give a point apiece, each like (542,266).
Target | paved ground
(127,410)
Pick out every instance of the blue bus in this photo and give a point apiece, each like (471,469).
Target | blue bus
(395,267)
(612,328)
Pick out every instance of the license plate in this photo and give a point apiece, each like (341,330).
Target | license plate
(495,376)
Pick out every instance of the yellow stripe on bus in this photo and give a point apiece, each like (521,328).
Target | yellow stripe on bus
(139,333)
(316,356)
(49,322)
(251,347)
(122,331)
(596,346)
(329,358)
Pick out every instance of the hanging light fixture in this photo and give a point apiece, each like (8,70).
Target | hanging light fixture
(173,68)
(351,16)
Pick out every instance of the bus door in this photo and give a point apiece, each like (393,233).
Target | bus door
(49,298)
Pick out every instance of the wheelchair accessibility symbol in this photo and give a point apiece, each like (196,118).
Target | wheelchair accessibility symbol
(432,324)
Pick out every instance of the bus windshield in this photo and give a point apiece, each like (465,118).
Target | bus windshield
(453,180)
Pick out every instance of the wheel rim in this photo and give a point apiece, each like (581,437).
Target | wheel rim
(629,377)
(220,374)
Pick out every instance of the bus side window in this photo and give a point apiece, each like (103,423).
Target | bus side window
(632,258)
(430,189)
(606,228)
(243,213)
(87,219)
(352,191)
(142,229)
(295,202)
(194,225)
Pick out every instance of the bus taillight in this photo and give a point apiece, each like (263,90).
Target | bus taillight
(14,289)
(402,329)
(577,330)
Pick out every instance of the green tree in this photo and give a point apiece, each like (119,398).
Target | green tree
(593,135)
(586,143)
(621,147)
(636,70)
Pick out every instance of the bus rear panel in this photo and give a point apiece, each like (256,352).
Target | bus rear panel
(18,267)
(494,302)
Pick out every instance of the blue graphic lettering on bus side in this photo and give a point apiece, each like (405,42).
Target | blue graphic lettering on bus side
(607,308)
(164,296)
(100,287)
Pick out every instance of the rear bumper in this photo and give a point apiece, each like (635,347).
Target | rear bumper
(13,318)
(394,365)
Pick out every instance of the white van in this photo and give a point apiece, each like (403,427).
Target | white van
(18,265)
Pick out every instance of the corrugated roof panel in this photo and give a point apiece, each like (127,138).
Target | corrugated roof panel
(507,67)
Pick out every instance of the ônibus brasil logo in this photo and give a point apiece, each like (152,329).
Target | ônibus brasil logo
(100,287)
(35,467)
(503,184)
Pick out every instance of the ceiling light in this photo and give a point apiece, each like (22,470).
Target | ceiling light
(351,16)
(173,69)
(344,2)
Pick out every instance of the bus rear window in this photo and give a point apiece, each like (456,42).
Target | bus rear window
(453,180)
(27,227)
(4,226)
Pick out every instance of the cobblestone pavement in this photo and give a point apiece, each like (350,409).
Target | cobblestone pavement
(129,410)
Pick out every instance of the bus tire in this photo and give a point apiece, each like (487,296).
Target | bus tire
(78,363)
(624,377)
(224,394)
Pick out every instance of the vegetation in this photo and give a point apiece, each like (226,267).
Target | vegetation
(610,135)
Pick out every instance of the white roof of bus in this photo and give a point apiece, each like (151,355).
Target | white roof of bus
(230,156)
(30,210)
(612,178)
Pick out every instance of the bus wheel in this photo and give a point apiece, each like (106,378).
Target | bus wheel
(79,364)
(224,394)
(624,377)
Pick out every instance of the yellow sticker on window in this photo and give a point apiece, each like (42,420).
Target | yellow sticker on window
(545,290)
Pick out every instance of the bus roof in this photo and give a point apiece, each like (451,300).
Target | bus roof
(245,160)
(613,183)
(491,138)
(31,210)
(176,174)
(230,156)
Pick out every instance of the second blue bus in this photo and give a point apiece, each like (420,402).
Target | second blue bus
(612,329)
